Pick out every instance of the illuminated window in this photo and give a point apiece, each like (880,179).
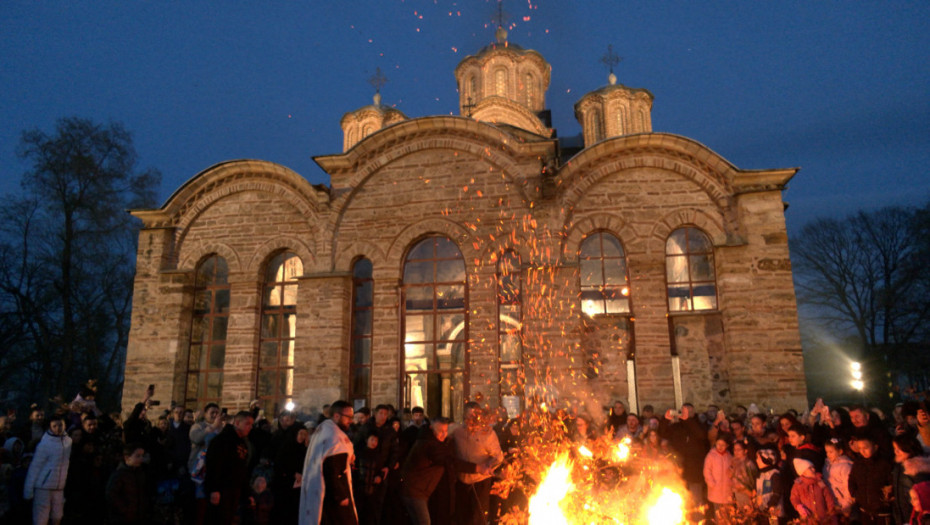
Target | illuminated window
(208,333)
(362,301)
(605,286)
(500,83)
(278,333)
(530,90)
(509,332)
(596,125)
(434,328)
(689,271)
(621,122)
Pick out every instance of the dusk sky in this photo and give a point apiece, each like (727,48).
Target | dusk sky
(840,89)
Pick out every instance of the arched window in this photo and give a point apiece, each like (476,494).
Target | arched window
(621,121)
(500,82)
(596,126)
(279,332)
(362,301)
(208,333)
(689,271)
(529,88)
(509,332)
(605,286)
(435,328)
(473,89)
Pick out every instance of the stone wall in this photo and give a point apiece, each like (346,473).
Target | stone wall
(483,189)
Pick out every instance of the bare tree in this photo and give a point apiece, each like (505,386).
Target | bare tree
(864,276)
(67,249)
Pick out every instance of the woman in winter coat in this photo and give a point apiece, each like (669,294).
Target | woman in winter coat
(905,447)
(45,480)
(836,474)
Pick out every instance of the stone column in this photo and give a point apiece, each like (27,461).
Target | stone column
(240,368)
(651,329)
(321,371)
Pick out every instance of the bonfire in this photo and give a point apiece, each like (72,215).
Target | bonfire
(598,482)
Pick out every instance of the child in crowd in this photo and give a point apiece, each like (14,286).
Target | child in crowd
(836,472)
(768,485)
(365,479)
(743,476)
(810,496)
(870,482)
(717,466)
(261,503)
(920,501)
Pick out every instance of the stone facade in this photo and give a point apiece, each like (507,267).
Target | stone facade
(489,185)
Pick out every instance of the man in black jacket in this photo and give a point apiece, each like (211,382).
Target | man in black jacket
(227,469)
(431,457)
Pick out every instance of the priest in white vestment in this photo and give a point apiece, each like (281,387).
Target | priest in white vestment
(326,488)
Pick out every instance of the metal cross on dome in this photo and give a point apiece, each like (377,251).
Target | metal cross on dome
(501,14)
(378,80)
(610,59)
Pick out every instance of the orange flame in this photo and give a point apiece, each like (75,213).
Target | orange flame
(545,508)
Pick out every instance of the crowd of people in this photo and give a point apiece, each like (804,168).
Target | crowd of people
(178,465)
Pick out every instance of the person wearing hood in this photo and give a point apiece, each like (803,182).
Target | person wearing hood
(45,480)
(810,496)
(920,501)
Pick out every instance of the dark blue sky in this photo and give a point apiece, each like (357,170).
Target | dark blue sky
(841,89)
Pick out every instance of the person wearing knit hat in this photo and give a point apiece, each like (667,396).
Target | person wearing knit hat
(920,501)
(802,465)
(810,496)
(769,488)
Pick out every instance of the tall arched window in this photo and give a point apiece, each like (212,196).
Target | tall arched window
(529,87)
(605,285)
(509,332)
(208,333)
(500,82)
(689,271)
(621,121)
(597,125)
(362,301)
(279,332)
(435,328)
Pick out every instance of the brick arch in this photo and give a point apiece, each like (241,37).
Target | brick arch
(503,242)
(712,226)
(453,231)
(191,254)
(612,224)
(465,135)
(220,181)
(690,159)
(497,108)
(346,257)
(263,253)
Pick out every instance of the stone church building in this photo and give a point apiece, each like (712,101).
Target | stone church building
(474,257)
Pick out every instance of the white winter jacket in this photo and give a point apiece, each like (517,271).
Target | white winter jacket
(49,467)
